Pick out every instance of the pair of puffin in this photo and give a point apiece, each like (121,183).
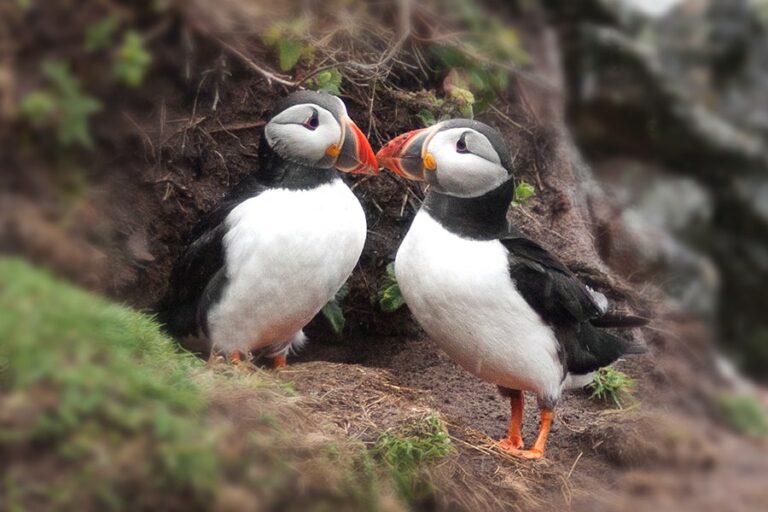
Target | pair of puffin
(278,248)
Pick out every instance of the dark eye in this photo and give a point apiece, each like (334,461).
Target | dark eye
(461,145)
(313,122)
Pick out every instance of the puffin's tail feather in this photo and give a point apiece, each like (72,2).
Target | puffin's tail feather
(591,349)
(619,321)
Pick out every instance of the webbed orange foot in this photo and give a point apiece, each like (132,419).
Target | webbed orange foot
(280,361)
(509,444)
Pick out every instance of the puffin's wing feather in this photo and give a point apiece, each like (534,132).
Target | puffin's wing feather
(193,280)
(566,304)
(547,284)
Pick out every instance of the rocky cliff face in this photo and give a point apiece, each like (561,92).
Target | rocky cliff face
(678,103)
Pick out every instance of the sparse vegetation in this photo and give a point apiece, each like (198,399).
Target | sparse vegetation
(61,106)
(407,454)
(523,192)
(328,81)
(744,414)
(612,385)
(333,312)
(390,297)
(289,40)
(101,35)
(131,61)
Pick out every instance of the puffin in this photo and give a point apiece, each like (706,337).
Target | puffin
(278,247)
(495,301)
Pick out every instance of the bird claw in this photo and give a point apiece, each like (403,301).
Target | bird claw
(514,448)
(511,444)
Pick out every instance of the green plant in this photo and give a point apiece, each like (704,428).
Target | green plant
(100,35)
(390,297)
(333,313)
(61,106)
(426,117)
(744,414)
(407,454)
(328,80)
(610,384)
(484,57)
(109,377)
(523,192)
(132,60)
(288,39)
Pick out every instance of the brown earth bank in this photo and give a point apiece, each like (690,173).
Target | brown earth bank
(114,219)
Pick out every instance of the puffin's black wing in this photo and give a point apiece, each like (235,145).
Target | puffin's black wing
(198,276)
(565,303)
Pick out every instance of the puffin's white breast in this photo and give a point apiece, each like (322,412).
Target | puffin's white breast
(461,293)
(287,254)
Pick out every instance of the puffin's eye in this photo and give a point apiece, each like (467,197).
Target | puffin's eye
(461,145)
(313,122)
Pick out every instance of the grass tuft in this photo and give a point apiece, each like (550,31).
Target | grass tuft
(612,385)
(407,455)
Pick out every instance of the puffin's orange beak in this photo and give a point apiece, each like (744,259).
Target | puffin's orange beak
(356,155)
(402,155)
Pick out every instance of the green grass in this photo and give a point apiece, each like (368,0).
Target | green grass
(100,411)
(409,453)
(744,414)
(87,378)
(612,385)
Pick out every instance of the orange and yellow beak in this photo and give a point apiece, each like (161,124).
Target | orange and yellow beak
(356,155)
(403,154)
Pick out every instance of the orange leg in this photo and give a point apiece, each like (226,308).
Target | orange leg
(537,452)
(280,361)
(514,439)
(235,357)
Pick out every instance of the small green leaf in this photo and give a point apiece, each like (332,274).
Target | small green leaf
(523,192)
(289,53)
(390,297)
(38,106)
(335,316)
(101,34)
(328,81)
(426,117)
(63,106)
(342,293)
(132,60)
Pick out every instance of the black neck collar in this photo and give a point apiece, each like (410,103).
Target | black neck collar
(277,172)
(480,218)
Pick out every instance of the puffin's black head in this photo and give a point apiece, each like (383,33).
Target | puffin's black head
(313,129)
(459,157)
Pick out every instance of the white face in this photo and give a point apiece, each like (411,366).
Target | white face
(304,133)
(466,165)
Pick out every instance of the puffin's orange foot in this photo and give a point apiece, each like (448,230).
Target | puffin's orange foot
(512,443)
(517,450)
(235,357)
(280,361)
(532,454)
